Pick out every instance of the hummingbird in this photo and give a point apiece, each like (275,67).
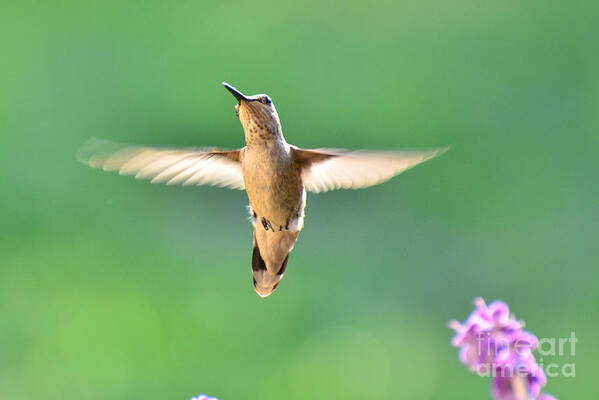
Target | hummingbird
(274,174)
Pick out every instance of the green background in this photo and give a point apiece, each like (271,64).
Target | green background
(112,288)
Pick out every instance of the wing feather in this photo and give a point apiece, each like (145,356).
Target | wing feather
(330,169)
(191,166)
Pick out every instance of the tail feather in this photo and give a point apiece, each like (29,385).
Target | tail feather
(268,266)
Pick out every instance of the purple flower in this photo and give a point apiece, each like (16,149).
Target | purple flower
(203,397)
(493,343)
(516,372)
(545,396)
(487,329)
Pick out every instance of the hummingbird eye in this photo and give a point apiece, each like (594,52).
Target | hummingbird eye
(265,100)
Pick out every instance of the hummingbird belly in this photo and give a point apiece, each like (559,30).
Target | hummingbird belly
(276,194)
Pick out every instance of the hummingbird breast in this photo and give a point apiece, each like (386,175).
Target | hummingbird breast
(274,187)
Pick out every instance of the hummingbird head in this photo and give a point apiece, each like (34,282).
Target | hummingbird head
(257,114)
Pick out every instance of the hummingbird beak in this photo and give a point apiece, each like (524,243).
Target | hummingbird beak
(238,95)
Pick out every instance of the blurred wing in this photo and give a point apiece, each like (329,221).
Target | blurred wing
(326,169)
(190,166)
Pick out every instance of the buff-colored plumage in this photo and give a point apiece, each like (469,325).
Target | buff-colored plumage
(274,174)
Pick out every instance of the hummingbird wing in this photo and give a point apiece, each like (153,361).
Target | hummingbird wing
(330,169)
(190,166)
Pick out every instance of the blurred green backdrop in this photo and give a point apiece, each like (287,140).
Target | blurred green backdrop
(112,288)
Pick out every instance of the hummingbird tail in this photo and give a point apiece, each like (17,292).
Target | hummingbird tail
(265,282)
(270,261)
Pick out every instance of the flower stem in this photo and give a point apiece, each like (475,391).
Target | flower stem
(519,387)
